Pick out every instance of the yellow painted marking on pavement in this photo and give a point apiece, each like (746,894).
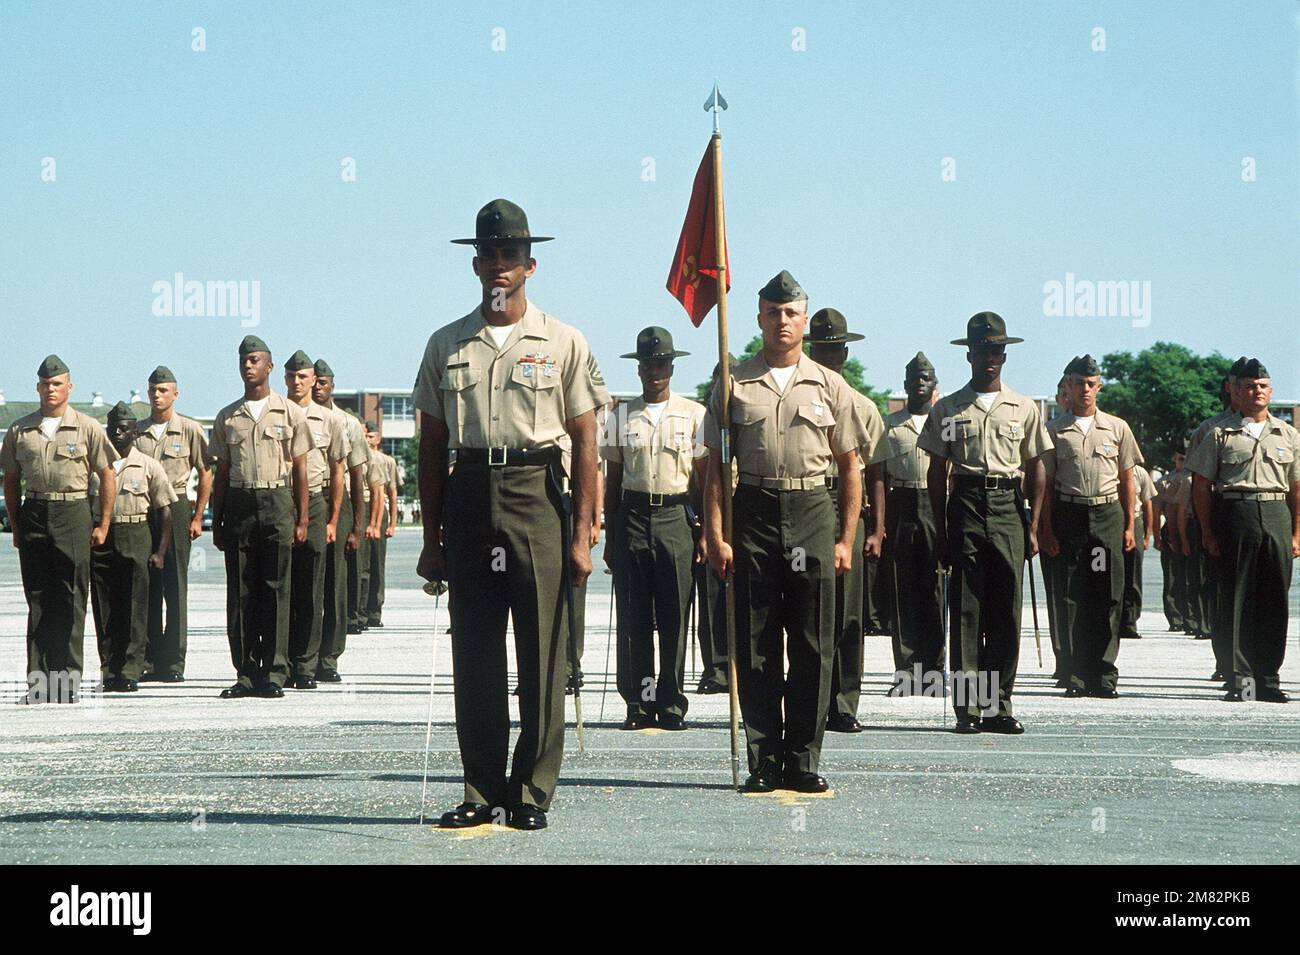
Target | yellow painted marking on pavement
(651,731)
(788,797)
(475,832)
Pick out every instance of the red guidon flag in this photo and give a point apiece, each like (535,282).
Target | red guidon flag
(693,280)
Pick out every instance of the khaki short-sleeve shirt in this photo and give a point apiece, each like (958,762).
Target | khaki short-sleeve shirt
(1090,465)
(517,396)
(327,444)
(904,459)
(1146,488)
(261,450)
(872,423)
(993,443)
(59,465)
(142,483)
(656,459)
(1234,461)
(182,448)
(797,434)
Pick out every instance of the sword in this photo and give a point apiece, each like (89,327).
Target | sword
(1033,603)
(435,589)
(609,638)
(566,533)
(943,659)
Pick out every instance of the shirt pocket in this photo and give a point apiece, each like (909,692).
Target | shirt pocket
(458,405)
(70,449)
(540,406)
(1280,454)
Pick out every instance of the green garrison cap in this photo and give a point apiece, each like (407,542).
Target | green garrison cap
(1084,366)
(372,428)
(919,364)
(782,289)
(161,375)
(986,328)
(298,361)
(250,344)
(52,367)
(501,221)
(323,369)
(1254,368)
(654,342)
(121,412)
(1237,367)
(828,326)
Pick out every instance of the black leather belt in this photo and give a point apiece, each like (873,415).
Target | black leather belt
(505,457)
(645,499)
(985,482)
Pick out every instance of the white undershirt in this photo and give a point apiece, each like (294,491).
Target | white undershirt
(157,429)
(986,398)
(49,426)
(255,408)
(1254,428)
(918,421)
(1085,424)
(782,376)
(656,411)
(500,333)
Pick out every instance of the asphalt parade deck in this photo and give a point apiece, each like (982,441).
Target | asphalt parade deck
(172,774)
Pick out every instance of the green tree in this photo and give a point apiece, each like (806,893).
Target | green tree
(853,372)
(1163,392)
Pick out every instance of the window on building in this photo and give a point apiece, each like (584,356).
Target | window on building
(398,408)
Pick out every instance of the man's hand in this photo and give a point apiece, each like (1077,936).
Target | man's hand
(874,546)
(1033,542)
(331,532)
(1210,543)
(299,533)
(157,560)
(1186,547)
(721,559)
(98,536)
(1047,539)
(1130,541)
(353,542)
(843,558)
(196,527)
(392,529)
(431,565)
(579,560)
(372,533)
(701,550)
(1295,545)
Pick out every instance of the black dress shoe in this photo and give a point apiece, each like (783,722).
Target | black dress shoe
(328,676)
(465,815)
(1063,683)
(763,781)
(236,692)
(527,817)
(805,783)
(1271,695)
(268,691)
(638,721)
(1072,692)
(302,683)
(672,722)
(1216,675)
(1130,636)
(127,686)
(1232,696)
(1001,724)
(709,685)
(170,678)
(354,629)
(843,723)
(1202,636)
(1104,693)
(377,624)
(966,725)
(109,685)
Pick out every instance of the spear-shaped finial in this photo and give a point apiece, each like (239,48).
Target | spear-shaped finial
(715,104)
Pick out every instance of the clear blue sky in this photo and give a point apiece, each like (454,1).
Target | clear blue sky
(1119,165)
